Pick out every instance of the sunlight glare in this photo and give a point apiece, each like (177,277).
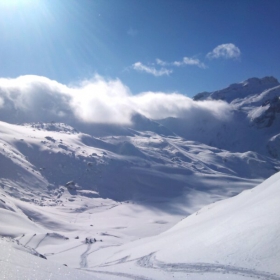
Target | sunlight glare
(16,3)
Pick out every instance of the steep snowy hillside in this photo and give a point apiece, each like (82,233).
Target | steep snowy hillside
(238,236)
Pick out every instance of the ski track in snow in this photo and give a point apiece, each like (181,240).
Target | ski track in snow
(30,239)
(121,274)
(39,243)
(69,249)
(149,261)
(83,262)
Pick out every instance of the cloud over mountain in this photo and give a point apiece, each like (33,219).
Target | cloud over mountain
(98,100)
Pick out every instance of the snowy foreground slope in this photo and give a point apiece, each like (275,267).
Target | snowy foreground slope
(144,200)
(239,236)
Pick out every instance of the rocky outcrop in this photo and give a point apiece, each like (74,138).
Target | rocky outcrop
(270,114)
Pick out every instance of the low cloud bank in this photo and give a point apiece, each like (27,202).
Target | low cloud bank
(39,99)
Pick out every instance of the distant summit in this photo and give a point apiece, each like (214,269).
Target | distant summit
(270,80)
(240,90)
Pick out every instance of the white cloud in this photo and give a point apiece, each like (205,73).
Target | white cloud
(184,61)
(151,70)
(161,62)
(38,99)
(177,63)
(159,105)
(225,51)
(190,61)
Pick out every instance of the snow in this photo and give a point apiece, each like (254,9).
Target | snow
(18,262)
(239,91)
(158,199)
(236,236)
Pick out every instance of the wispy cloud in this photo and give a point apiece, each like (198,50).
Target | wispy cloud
(98,100)
(166,66)
(190,61)
(226,51)
(185,61)
(139,66)
(161,62)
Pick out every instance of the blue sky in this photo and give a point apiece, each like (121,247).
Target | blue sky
(150,45)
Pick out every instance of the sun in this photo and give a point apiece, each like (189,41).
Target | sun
(16,3)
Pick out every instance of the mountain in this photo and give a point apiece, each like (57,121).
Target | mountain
(250,87)
(253,118)
(82,194)
(258,98)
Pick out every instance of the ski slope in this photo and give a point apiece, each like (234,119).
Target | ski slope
(236,236)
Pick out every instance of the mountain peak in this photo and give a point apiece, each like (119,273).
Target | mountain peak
(240,90)
(269,80)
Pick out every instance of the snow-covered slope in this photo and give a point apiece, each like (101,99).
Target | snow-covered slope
(241,90)
(18,262)
(78,195)
(239,235)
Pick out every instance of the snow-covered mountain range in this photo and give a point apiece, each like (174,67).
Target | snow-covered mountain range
(166,193)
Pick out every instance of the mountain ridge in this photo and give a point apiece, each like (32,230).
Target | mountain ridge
(248,87)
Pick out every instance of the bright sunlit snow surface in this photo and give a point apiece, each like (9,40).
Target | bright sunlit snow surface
(143,201)
(238,236)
